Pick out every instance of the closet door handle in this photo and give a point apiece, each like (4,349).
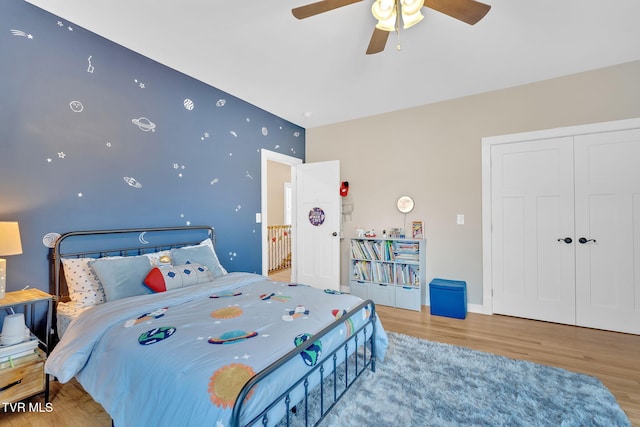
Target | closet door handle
(584,240)
(567,240)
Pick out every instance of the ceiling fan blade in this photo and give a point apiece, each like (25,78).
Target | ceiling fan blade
(378,41)
(316,8)
(469,11)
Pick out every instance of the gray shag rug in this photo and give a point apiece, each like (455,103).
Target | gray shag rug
(425,383)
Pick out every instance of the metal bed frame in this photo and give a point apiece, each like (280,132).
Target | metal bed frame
(360,362)
(354,347)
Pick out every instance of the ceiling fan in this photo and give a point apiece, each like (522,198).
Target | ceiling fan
(388,13)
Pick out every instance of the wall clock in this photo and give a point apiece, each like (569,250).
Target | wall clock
(405,204)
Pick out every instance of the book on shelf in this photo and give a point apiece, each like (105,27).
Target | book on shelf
(367,249)
(362,271)
(407,252)
(407,275)
(388,251)
(18,350)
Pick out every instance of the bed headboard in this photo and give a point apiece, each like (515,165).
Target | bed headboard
(118,242)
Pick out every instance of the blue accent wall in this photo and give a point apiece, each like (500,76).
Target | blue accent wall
(95,136)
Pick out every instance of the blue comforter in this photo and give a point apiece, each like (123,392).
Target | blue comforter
(180,357)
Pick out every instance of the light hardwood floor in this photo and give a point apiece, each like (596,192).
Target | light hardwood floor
(281,275)
(612,357)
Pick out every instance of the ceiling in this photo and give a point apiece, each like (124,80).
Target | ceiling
(314,72)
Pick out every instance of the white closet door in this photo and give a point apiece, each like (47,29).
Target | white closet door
(607,167)
(532,213)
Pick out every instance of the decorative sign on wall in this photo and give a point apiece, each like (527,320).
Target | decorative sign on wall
(316,216)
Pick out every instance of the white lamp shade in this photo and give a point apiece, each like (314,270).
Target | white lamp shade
(13,329)
(10,243)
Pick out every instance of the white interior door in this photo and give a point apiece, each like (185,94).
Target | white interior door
(317,224)
(608,219)
(533,273)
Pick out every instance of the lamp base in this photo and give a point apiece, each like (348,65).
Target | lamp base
(3,277)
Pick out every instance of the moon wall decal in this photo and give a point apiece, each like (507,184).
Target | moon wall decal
(142,239)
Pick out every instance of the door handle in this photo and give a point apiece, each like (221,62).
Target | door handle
(567,240)
(334,234)
(584,240)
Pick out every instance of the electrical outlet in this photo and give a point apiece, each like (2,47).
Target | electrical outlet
(460,219)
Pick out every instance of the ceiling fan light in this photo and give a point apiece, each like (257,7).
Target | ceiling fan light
(385,12)
(411,6)
(386,25)
(382,10)
(411,20)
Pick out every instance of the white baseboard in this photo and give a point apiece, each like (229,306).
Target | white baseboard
(475,308)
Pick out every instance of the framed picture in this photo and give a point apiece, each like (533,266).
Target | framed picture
(417,230)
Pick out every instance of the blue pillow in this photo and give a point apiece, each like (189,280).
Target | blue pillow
(203,255)
(122,277)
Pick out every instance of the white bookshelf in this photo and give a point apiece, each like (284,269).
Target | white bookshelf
(389,271)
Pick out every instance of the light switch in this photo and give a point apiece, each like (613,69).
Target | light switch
(258,217)
(460,219)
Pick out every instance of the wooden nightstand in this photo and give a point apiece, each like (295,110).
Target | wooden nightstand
(25,377)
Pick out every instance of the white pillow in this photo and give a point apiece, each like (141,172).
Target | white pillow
(84,286)
(159,258)
(197,255)
(208,242)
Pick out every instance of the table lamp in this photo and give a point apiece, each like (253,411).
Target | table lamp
(9,245)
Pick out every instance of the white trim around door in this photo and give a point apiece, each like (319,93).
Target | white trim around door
(487,144)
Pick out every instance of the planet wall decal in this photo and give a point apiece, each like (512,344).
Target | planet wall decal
(132,182)
(76,106)
(144,124)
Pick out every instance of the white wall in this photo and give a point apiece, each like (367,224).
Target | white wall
(433,153)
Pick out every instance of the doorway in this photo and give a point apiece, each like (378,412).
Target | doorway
(277,212)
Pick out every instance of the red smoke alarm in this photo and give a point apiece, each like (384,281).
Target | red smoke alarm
(344,188)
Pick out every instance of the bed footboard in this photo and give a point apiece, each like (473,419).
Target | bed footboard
(332,377)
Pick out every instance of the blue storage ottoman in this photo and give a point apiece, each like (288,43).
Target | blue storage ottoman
(448,298)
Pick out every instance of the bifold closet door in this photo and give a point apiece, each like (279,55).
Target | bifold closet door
(533,248)
(607,209)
